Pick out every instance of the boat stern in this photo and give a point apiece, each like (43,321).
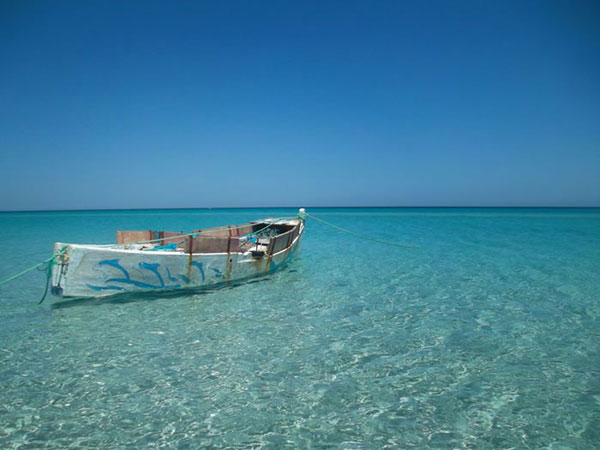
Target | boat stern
(59,268)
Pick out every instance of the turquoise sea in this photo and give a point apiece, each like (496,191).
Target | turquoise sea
(485,336)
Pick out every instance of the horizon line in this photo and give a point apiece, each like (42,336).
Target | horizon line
(294,207)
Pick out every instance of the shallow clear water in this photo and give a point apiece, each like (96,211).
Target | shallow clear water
(486,336)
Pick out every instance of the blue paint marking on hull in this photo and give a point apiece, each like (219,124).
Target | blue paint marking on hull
(106,288)
(184,278)
(169,276)
(114,263)
(200,268)
(152,267)
(139,284)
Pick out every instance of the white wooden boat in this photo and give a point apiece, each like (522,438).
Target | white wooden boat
(151,260)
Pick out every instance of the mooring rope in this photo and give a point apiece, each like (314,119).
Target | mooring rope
(48,277)
(26,270)
(360,235)
(48,263)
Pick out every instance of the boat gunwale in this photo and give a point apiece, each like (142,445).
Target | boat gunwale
(120,248)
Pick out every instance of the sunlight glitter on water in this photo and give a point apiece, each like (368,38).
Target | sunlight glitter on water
(483,337)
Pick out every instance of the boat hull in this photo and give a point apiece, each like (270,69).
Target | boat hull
(99,271)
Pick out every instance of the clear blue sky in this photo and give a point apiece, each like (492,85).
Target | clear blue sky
(255,103)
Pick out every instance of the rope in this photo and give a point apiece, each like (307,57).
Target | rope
(360,235)
(26,270)
(48,277)
(48,262)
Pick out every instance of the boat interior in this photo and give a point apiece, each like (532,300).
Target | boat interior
(256,237)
